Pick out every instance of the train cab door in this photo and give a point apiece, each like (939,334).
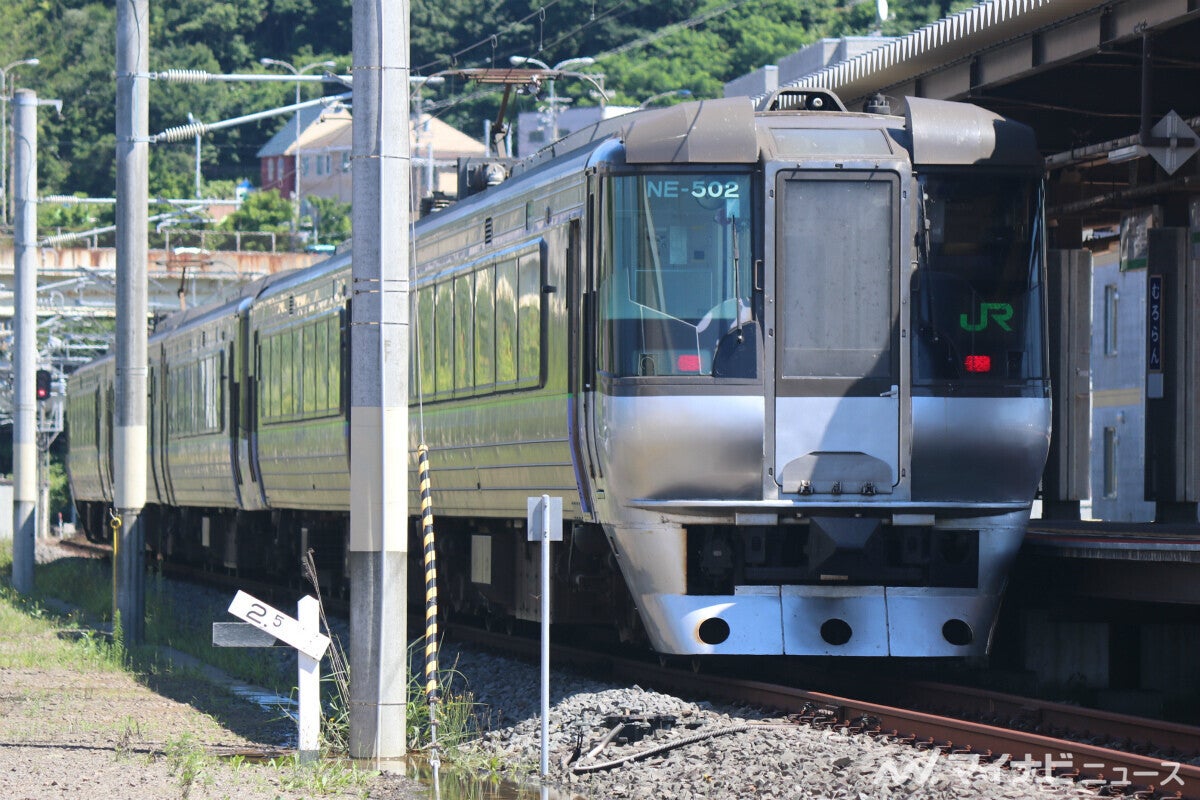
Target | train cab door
(581,324)
(837,404)
(162,411)
(156,434)
(244,391)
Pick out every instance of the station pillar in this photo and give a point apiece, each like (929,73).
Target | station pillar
(1173,376)
(1069,287)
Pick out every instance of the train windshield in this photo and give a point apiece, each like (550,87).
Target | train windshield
(675,267)
(977,296)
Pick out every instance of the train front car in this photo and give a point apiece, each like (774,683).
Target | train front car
(819,410)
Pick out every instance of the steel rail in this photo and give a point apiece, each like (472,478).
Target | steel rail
(1040,756)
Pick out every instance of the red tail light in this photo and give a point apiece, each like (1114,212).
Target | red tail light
(688,363)
(978,363)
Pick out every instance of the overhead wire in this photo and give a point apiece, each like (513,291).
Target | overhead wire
(447,104)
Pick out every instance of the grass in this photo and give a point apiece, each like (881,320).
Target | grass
(29,638)
(87,585)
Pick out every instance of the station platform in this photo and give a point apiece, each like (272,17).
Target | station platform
(1126,561)
(1119,541)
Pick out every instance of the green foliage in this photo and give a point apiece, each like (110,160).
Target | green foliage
(459,717)
(321,777)
(59,217)
(261,211)
(75,42)
(188,762)
(329,219)
(60,493)
(87,584)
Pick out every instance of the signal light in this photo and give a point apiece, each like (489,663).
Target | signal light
(43,384)
(978,363)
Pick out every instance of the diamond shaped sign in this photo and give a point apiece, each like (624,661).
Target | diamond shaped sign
(1173,156)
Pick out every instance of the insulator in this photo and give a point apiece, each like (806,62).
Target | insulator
(184,76)
(182,132)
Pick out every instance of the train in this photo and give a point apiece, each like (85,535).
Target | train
(785,364)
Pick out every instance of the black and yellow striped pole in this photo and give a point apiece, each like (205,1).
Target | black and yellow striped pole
(431,637)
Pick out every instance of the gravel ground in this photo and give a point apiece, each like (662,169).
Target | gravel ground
(63,734)
(734,752)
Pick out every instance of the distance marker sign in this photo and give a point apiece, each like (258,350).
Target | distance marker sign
(310,642)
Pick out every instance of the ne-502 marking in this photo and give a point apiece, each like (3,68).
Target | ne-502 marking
(717,189)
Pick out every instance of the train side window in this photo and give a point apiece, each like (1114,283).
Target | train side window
(485,327)
(444,338)
(274,377)
(261,370)
(286,382)
(309,362)
(171,400)
(297,371)
(334,324)
(425,334)
(506,323)
(323,357)
(529,335)
(464,341)
(212,393)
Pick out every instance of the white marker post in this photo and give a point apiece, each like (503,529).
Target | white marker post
(305,635)
(545,525)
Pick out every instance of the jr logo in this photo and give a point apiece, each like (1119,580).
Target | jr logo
(1001,313)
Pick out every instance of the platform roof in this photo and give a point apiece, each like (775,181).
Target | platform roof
(1072,69)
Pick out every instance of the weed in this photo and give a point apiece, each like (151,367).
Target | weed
(457,713)
(187,760)
(125,741)
(324,776)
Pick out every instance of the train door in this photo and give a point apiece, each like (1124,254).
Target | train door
(245,392)
(156,433)
(586,340)
(579,364)
(837,346)
(163,414)
(231,383)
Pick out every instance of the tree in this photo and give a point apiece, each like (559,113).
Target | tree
(330,219)
(261,211)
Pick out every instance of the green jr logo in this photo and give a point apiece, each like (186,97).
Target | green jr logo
(1000,313)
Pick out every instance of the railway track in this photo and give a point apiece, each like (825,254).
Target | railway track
(1112,753)
(1115,754)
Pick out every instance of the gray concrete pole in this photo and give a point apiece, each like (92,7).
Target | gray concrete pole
(129,417)
(379,380)
(25,338)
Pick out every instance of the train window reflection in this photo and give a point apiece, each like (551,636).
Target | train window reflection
(676,275)
(978,291)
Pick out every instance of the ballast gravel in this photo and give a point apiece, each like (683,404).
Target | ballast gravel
(668,748)
(709,751)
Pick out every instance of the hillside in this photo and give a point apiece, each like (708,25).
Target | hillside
(642,47)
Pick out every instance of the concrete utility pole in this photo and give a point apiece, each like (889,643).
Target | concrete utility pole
(5,184)
(25,339)
(129,417)
(379,380)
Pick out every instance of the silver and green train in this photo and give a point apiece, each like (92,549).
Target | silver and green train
(786,368)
